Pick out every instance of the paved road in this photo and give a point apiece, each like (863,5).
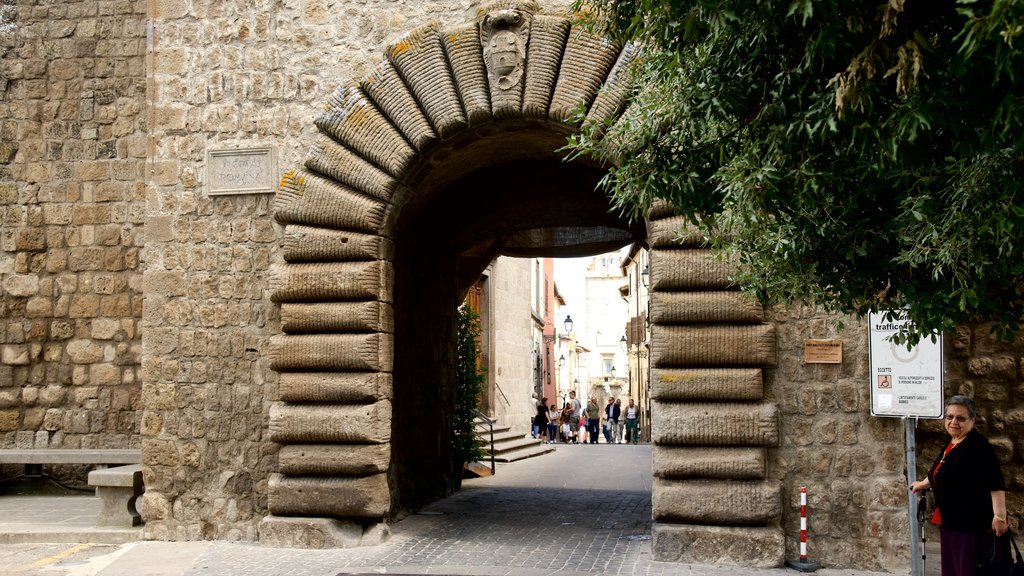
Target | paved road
(580,510)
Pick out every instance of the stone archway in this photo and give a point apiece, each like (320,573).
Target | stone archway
(396,154)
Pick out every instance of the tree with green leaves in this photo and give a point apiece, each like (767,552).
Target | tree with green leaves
(858,155)
(469,378)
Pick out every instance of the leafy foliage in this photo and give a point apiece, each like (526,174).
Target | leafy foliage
(468,380)
(859,155)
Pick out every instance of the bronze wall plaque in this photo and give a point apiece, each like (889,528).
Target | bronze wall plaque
(823,351)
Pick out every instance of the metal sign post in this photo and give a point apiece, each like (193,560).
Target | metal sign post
(905,383)
(916,568)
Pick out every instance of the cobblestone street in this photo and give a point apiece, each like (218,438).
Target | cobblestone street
(583,509)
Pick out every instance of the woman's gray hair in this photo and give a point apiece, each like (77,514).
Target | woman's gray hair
(965,402)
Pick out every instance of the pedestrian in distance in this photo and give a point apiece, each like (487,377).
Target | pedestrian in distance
(606,420)
(540,420)
(620,422)
(565,421)
(593,419)
(970,494)
(631,414)
(553,415)
(577,413)
(535,425)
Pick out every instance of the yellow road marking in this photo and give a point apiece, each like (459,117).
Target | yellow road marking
(55,558)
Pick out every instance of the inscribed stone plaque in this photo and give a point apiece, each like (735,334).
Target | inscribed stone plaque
(823,351)
(241,171)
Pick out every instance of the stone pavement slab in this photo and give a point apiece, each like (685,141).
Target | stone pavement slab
(582,510)
(57,519)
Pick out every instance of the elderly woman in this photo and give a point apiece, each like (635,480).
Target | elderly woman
(970,494)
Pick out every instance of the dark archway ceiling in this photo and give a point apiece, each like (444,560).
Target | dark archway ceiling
(528,208)
(524,208)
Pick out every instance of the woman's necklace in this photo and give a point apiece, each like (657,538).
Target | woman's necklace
(952,444)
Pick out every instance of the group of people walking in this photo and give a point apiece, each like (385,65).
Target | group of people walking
(576,424)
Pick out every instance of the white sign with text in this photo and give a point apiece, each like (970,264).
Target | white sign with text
(905,382)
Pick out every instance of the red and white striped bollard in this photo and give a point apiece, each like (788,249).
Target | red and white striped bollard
(803,564)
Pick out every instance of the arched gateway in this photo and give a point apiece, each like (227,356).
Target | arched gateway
(445,157)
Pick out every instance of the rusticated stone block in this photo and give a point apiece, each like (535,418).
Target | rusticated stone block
(331,159)
(462,44)
(716,502)
(705,308)
(341,387)
(337,281)
(675,385)
(548,35)
(709,462)
(714,346)
(334,459)
(351,119)
(718,545)
(307,198)
(331,423)
(387,89)
(309,244)
(318,533)
(690,269)
(366,497)
(329,352)
(673,231)
(705,424)
(585,66)
(614,95)
(420,58)
(372,316)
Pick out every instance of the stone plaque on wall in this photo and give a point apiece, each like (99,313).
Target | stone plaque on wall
(241,171)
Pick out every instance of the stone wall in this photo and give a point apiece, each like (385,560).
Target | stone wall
(228,75)
(510,372)
(73,154)
(101,137)
(851,463)
(854,464)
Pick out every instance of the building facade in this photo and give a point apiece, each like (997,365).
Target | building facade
(233,236)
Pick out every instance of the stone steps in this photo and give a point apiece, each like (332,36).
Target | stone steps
(511,446)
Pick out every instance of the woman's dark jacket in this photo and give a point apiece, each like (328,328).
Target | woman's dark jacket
(541,418)
(964,484)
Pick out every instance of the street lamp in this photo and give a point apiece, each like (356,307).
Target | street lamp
(613,371)
(568,324)
(646,274)
(561,361)
(622,343)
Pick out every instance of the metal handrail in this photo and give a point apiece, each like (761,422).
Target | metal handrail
(477,416)
(507,403)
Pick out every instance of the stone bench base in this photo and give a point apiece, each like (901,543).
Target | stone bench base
(118,489)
